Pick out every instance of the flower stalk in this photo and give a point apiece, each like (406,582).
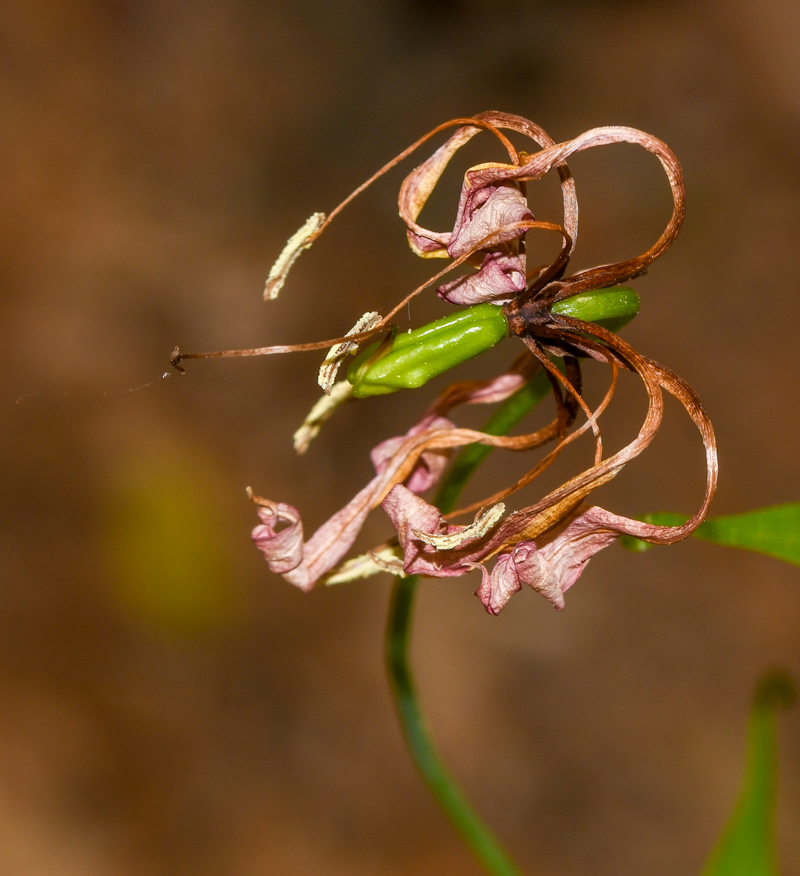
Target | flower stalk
(475,834)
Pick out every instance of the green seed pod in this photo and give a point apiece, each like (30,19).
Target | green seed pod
(407,360)
(410,359)
(611,308)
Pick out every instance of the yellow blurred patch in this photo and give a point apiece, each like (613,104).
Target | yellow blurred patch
(170,544)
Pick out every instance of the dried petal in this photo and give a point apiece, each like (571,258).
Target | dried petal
(416,190)
(491,212)
(420,527)
(304,564)
(566,555)
(559,560)
(498,280)
(491,391)
(498,586)
(431,464)
(537,165)
(283,550)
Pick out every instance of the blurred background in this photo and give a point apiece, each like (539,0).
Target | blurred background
(168,705)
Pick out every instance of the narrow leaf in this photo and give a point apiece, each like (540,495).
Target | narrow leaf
(774,531)
(747,845)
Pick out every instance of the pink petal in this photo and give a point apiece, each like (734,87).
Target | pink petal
(485,211)
(568,553)
(483,392)
(499,279)
(408,512)
(499,585)
(423,245)
(283,549)
(304,564)
(550,568)
(556,564)
(430,466)
(524,565)
(416,190)
(411,514)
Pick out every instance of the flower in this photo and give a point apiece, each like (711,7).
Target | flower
(546,545)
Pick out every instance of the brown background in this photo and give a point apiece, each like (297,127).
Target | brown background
(168,706)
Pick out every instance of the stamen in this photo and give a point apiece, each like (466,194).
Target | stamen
(300,240)
(483,523)
(321,411)
(333,361)
(387,558)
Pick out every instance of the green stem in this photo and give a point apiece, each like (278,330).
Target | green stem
(472,830)
(476,835)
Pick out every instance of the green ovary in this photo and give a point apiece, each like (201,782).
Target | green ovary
(611,308)
(410,359)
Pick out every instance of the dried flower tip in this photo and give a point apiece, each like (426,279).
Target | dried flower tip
(175,358)
(484,521)
(279,536)
(384,559)
(333,361)
(300,240)
(312,424)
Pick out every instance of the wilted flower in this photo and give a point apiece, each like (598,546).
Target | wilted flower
(547,544)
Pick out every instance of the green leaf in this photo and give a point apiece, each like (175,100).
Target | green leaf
(774,531)
(747,845)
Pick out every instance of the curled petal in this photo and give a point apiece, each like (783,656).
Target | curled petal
(553,566)
(566,555)
(303,564)
(282,549)
(481,392)
(488,216)
(526,564)
(416,190)
(499,585)
(531,565)
(431,464)
(499,279)
(421,530)
(411,514)
(419,184)
(427,248)
(435,548)
(537,165)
